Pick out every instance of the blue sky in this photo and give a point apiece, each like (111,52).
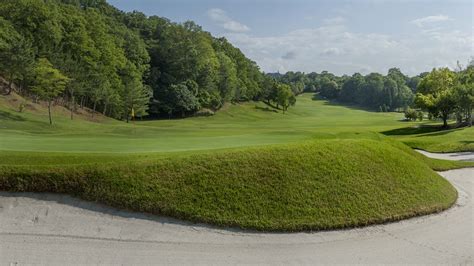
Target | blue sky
(339,36)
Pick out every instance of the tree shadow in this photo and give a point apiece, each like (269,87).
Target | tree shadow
(412,130)
(330,102)
(270,105)
(266,109)
(9,116)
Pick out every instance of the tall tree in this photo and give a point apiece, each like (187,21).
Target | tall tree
(49,83)
(16,54)
(435,94)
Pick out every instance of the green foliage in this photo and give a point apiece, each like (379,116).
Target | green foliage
(464,95)
(181,99)
(49,83)
(285,96)
(16,54)
(411,114)
(107,53)
(390,92)
(435,94)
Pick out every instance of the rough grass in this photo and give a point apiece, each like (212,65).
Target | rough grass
(454,140)
(314,185)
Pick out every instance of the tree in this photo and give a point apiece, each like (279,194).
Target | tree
(435,94)
(135,98)
(464,94)
(329,88)
(285,96)
(181,99)
(49,83)
(351,88)
(16,54)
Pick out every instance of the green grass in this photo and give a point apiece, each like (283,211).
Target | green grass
(241,125)
(236,126)
(313,185)
(319,166)
(454,140)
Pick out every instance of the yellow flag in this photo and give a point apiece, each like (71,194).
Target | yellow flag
(133,112)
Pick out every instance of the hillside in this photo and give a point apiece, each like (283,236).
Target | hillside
(306,186)
(121,64)
(236,125)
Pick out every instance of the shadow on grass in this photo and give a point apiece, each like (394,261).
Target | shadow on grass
(412,130)
(9,116)
(351,106)
(266,109)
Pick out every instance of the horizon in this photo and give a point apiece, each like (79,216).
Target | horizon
(340,37)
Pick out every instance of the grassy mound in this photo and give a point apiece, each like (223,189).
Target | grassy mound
(309,186)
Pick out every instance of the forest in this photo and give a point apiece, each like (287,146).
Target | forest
(120,64)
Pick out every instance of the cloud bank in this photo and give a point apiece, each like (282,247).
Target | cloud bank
(334,47)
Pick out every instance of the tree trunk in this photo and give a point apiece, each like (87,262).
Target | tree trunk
(10,85)
(93,109)
(73,105)
(445,120)
(49,112)
(469,119)
(105,109)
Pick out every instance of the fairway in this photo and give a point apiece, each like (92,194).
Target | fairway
(238,125)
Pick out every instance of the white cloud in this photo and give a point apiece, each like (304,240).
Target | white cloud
(331,51)
(334,21)
(422,22)
(335,48)
(220,17)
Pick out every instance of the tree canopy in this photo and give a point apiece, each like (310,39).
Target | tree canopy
(119,62)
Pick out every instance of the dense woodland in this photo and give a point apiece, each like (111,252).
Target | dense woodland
(121,64)
(87,53)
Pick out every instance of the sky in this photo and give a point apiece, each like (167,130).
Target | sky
(339,36)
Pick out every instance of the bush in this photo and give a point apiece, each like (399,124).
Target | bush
(411,114)
(205,112)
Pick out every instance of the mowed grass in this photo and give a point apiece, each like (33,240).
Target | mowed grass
(319,166)
(454,140)
(240,125)
(313,185)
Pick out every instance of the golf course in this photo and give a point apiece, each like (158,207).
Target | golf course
(318,166)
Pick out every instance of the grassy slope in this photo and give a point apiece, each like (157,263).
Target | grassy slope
(202,169)
(237,126)
(455,140)
(306,186)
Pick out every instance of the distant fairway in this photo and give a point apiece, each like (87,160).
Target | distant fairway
(238,125)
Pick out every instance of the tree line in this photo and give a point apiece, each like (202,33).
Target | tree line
(442,93)
(122,64)
(391,92)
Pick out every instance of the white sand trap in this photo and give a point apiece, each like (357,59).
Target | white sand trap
(59,230)
(459,156)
